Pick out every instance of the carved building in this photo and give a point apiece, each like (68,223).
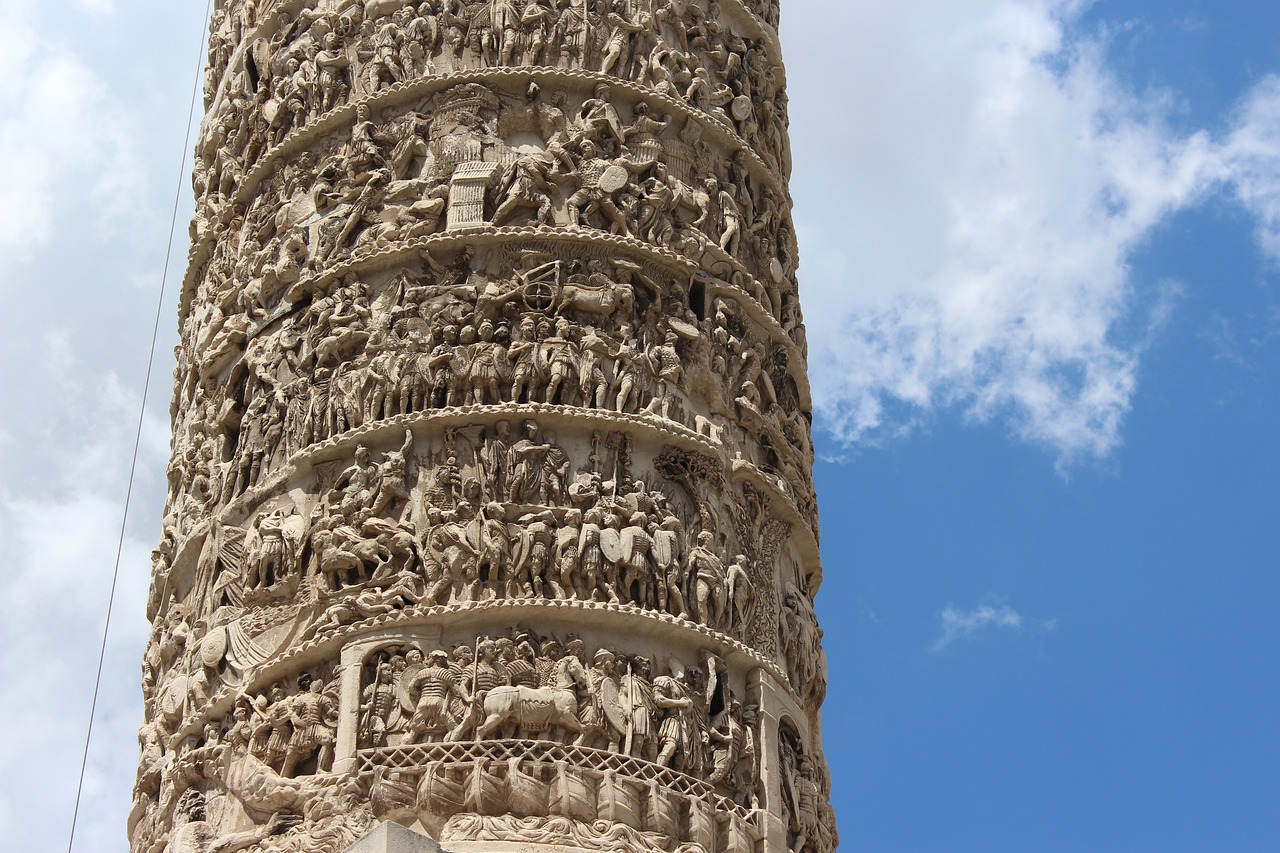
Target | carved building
(490,508)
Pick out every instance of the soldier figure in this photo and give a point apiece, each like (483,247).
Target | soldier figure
(678,733)
(440,699)
(706,570)
(591,557)
(637,693)
(271,738)
(726,745)
(669,566)
(568,541)
(596,185)
(527,186)
(486,674)
(601,713)
(637,575)
(378,703)
(312,715)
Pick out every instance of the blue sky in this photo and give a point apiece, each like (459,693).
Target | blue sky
(1040,649)
(1040,244)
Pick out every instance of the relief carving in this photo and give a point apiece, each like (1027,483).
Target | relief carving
(490,320)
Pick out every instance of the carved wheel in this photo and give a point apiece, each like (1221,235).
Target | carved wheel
(540,296)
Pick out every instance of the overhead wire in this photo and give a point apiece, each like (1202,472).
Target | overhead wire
(137,439)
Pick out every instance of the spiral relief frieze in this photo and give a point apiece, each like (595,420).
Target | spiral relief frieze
(490,509)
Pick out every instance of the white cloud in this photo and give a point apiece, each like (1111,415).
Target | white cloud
(81,235)
(61,543)
(1252,153)
(63,139)
(968,203)
(960,624)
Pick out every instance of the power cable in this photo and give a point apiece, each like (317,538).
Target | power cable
(137,439)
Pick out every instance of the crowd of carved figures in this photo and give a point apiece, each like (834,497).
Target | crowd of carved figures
(491,303)
(493,513)
(258,760)
(496,512)
(518,686)
(589,334)
(303,66)
(525,686)
(387,180)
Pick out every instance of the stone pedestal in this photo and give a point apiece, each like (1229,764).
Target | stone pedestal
(390,837)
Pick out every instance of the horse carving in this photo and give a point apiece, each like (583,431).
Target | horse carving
(608,300)
(537,709)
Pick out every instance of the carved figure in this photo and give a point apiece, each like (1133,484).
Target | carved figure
(440,698)
(706,570)
(312,716)
(740,595)
(678,732)
(194,834)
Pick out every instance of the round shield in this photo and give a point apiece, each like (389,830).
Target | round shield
(402,687)
(741,107)
(775,269)
(213,647)
(611,703)
(613,178)
(664,548)
(683,328)
(611,544)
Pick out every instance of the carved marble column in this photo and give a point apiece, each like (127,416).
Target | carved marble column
(490,507)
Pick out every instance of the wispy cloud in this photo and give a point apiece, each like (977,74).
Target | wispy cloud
(1252,157)
(63,137)
(960,624)
(969,214)
(61,540)
(79,227)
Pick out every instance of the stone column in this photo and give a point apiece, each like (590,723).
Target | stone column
(490,509)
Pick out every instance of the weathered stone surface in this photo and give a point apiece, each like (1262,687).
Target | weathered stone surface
(490,508)
(389,837)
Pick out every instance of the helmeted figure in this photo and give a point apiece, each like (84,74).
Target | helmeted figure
(440,699)
(310,714)
(678,732)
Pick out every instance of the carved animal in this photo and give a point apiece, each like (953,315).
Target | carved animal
(537,708)
(686,199)
(346,557)
(600,301)
(379,8)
